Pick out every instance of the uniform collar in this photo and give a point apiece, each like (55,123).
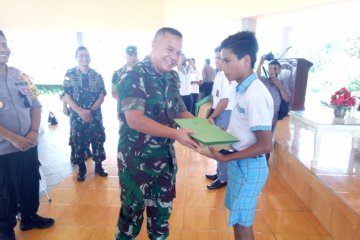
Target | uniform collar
(5,70)
(246,83)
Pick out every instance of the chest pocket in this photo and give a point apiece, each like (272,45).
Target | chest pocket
(94,89)
(76,82)
(25,99)
(93,83)
(155,106)
(155,103)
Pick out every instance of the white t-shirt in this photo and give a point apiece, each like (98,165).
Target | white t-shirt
(221,89)
(185,87)
(194,75)
(253,110)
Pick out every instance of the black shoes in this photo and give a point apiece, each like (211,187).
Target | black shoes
(216,185)
(211,176)
(82,172)
(7,234)
(81,176)
(36,221)
(100,170)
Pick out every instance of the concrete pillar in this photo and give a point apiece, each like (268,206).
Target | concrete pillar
(248,24)
(285,46)
(79,38)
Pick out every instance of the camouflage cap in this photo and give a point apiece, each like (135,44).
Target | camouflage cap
(131,50)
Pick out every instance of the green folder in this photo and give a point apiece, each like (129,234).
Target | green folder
(206,133)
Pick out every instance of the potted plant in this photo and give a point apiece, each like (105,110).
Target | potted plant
(342,101)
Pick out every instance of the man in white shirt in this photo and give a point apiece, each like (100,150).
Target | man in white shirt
(195,81)
(185,86)
(222,94)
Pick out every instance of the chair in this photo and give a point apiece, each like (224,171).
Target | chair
(203,107)
(43,186)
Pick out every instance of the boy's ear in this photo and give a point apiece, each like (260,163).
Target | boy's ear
(247,60)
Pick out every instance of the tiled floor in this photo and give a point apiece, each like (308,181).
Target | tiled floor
(89,210)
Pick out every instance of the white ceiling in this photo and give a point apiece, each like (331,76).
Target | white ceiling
(134,15)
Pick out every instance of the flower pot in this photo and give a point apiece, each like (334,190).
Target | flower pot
(339,112)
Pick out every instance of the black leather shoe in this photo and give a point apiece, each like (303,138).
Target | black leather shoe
(81,176)
(100,170)
(7,234)
(35,221)
(216,185)
(82,172)
(211,176)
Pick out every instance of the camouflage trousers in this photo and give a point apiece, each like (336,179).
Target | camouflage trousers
(146,189)
(81,136)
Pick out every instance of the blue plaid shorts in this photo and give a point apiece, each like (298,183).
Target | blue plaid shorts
(246,179)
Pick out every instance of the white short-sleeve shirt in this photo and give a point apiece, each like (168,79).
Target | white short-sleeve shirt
(220,89)
(185,87)
(253,110)
(194,76)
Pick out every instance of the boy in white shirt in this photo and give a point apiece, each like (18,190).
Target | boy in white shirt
(250,122)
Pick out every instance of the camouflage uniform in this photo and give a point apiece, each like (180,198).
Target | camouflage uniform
(117,77)
(85,89)
(118,74)
(147,164)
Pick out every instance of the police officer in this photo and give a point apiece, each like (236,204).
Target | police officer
(149,100)
(20,113)
(131,59)
(84,92)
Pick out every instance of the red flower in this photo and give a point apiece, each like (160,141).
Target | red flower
(342,99)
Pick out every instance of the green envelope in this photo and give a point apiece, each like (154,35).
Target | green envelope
(206,133)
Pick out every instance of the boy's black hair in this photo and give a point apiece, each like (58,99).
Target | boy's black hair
(241,44)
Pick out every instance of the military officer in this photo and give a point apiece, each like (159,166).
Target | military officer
(131,59)
(84,92)
(149,100)
(66,111)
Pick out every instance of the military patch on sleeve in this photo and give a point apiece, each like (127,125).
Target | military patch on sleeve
(34,92)
(33,89)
